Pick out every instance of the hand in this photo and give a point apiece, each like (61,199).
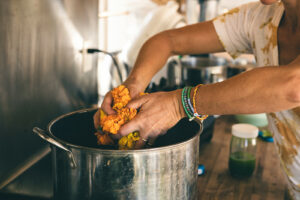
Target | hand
(107,103)
(96,119)
(106,107)
(158,112)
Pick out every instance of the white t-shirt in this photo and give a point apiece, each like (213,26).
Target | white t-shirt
(252,28)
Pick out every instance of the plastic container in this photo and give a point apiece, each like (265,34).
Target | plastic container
(242,157)
(259,120)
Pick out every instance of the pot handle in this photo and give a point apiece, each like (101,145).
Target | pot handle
(42,134)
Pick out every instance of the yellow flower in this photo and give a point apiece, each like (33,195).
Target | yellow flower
(128,142)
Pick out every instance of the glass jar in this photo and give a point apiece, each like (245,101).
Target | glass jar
(242,150)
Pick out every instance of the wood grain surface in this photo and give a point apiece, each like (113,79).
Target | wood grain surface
(266,183)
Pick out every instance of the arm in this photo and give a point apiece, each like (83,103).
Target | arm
(265,89)
(194,39)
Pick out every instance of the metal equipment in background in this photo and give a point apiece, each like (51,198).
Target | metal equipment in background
(42,75)
(203,69)
(208,9)
(114,58)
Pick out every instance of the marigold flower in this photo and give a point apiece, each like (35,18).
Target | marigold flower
(111,124)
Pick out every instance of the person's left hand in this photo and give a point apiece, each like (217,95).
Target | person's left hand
(157,113)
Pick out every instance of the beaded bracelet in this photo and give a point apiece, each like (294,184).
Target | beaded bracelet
(189,105)
(184,100)
(198,116)
(189,101)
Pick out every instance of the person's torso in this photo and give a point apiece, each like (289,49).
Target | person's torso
(285,125)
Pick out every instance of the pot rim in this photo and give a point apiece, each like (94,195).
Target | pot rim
(115,151)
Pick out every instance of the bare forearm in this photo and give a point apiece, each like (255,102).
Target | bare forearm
(193,39)
(266,89)
(152,57)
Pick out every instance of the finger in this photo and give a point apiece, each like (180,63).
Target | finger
(151,141)
(96,118)
(107,104)
(140,143)
(144,140)
(129,127)
(137,102)
(116,136)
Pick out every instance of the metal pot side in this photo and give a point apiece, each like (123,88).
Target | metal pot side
(166,172)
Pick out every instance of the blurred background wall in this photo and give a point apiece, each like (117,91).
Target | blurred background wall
(42,72)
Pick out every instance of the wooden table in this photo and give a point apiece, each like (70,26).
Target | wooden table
(266,183)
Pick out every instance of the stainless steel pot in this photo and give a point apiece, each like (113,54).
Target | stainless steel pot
(83,170)
(203,70)
(193,70)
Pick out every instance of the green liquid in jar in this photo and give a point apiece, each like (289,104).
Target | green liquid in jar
(241,164)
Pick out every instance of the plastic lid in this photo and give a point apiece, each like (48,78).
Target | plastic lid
(244,130)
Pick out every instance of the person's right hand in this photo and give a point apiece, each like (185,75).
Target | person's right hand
(158,112)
